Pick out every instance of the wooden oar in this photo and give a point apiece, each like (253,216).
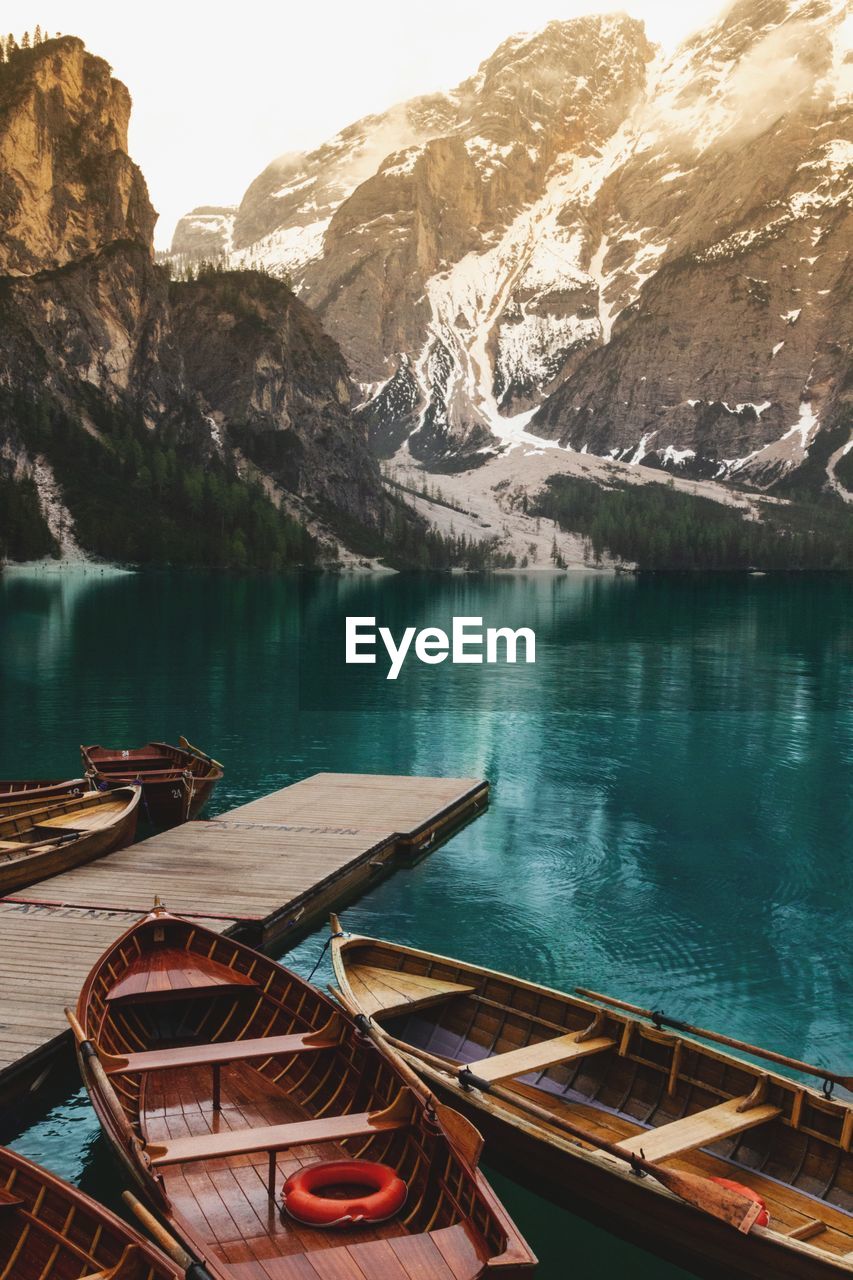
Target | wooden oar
(188,746)
(192,1270)
(660,1019)
(709,1197)
(463,1134)
(94,1066)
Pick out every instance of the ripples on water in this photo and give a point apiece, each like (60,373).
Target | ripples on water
(671,807)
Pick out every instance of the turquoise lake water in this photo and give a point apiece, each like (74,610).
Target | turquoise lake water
(671,806)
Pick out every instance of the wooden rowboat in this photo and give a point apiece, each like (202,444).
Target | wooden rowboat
(64,833)
(18,795)
(176,781)
(578,1100)
(216,1074)
(51,1231)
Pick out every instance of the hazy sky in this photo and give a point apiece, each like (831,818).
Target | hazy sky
(220,90)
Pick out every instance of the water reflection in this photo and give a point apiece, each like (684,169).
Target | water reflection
(672,801)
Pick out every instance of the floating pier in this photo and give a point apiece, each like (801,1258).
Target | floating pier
(266,871)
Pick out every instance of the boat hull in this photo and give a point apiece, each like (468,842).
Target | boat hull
(18,796)
(34,867)
(199,967)
(166,803)
(52,1230)
(548,1103)
(620,1203)
(176,784)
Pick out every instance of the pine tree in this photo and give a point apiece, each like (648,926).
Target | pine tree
(25,40)
(37,35)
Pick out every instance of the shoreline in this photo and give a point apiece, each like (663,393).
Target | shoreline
(66,569)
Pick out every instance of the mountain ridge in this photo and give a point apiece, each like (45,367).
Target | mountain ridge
(526,273)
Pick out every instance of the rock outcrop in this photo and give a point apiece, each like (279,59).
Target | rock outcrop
(639,255)
(68,188)
(206,233)
(270,381)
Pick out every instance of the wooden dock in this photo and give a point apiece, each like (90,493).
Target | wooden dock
(267,871)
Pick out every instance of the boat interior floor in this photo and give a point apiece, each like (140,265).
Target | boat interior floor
(792,1211)
(225,1200)
(91,818)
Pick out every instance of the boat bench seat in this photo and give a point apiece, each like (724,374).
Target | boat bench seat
(217,1053)
(698,1130)
(82,822)
(8,1200)
(55,831)
(536,1057)
(275,1137)
(128,763)
(175,972)
(382,990)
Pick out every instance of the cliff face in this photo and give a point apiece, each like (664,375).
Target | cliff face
(589,242)
(91,329)
(270,381)
(67,185)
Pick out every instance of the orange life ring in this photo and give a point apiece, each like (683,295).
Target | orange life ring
(302,1199)
(763,1218)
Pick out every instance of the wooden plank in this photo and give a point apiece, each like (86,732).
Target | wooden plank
(459,1251)
(424,1260)
(389,989)
(275,1137)
(218,1052)
(536,1057)
(174,971)
(698,1130)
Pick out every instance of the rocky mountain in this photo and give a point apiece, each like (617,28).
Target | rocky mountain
(588,242)
(163,385)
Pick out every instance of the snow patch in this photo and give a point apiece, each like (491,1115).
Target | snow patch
(805,426)
(747,404)
(676,457)
(642,448)
(403,166)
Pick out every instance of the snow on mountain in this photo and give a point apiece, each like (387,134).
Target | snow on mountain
(207,232)
(586,241)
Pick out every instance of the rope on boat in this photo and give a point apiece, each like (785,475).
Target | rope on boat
(137,782)
(189,787)
(326,945)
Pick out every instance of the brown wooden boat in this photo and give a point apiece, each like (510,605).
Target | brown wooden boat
(583,1102)
(216,1074)
(64,833)
(18,795)
(176,781)
(51,1231)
